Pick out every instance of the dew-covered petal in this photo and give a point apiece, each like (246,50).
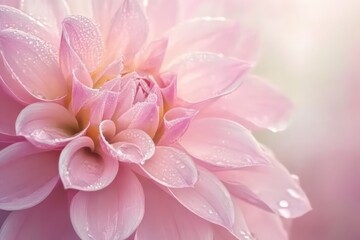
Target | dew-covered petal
(262,224)
(48,220)
(151,57)
(27,175)
(171,168)
(110,213)
(130,145)
(208,199)
(171,220)
(222,143)
(256,103)
(83,169)
(128,31)
(272,185)
(176,122)
(32,63)
(15,19)
(48,125)
(9,110)
(168,88)
(48,12)
(84,38)
(202,75)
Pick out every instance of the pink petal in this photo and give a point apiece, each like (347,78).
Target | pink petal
(143,116)
(171,168)
(29,59)
(83,169)
(50,13)
(16,19)
(168,88)
(48,125)
(208,199)
(130,145)
(255,103)
(81,7)
(171,220)
(202,76)
(222,143)
(128,31)
(9,110)
(176,122)
(159,20)
(151,57)
(111,213)
(215,35)
(12,3)
(48,220)
(84,38)
(272,185)
(30,175)
(263,225)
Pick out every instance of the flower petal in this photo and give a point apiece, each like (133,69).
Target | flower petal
(32,63)
(82,169)
(48,220)
(143,116)
(130,145)
(215,35)
(222,143)
(12,3)
(256,104)
(208,199)
(111,213)
(9,110)
(48,12)
(48,125)
(272,185)
(128,31)
(171,168)
(30,175)
(84,38)
(159,20)
(171,220)
(151,57)
(176,122)
(15,19)
(202,76)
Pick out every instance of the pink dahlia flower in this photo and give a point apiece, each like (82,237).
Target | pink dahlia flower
(132,120)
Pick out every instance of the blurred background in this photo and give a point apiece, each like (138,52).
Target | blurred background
(311,50)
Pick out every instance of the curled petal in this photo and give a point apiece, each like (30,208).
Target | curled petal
(130,145)
(143,116)
(256,104)
(30,175)
(270,185)
(128,31)
(171,222)
(222,143)
(176,122)
(29,59)
(15,19)
(208,199)
(48,125)
(49,12)
(82,169)
(84,38)
(168,88)
(52,215)
(171,168)
(120,205)
(202,76)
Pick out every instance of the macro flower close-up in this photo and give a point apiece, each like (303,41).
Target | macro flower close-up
(129,119)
